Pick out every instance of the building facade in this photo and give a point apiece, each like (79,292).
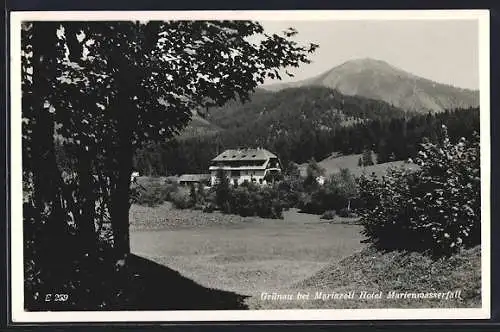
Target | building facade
(252,165)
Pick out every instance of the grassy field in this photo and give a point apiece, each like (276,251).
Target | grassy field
(408,275)
(244,255)
(301,253)
(335,162)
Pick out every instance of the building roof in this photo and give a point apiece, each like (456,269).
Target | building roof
(244,154)
(193,177)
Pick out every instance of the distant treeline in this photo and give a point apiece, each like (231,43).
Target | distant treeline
(394,138)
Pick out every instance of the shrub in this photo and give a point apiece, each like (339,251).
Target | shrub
(247,200)
(151,191)
(367,158)
(313,171)
(268,204)
(336,194)
(314,202)
(181,199)
(241,202)
(201,194)
(151,195)
(209,208)
(193,197)
(222,191)
(329,215)
(346,213)
(170,188)
(290,190)
(435,210)
(273,177)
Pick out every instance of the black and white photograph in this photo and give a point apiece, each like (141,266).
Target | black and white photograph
(252,165)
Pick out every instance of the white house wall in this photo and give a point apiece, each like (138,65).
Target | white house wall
(247,175)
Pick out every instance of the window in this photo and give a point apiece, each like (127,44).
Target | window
(235,173)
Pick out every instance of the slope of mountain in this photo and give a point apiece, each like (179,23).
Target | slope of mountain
(198,126)
(237,114)
(379,80)
(319,107)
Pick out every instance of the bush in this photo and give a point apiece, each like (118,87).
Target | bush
(222,191)
(192,197)
(435,210)
(337,193)
(329,215)
(346,213)
(152,191)
(247,200)
(290,190)
(267,203)
(242,202)
(152,195)
(181,199)
(209,208)
(170,188)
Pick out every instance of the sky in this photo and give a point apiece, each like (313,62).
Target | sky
(445,51)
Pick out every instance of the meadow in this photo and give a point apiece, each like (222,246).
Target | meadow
(244,255)
(335,162)
(299,253)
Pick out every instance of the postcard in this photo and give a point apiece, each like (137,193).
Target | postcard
(188,166)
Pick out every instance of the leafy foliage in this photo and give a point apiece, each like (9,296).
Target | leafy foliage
(367,158)
(152,191)
(436,209)
(248,199)
(329,215)
(182,199)
(102,90)
(336,194)
(313,172)
(290,191)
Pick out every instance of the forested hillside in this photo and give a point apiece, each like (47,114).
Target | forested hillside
(299,124)
(322,107)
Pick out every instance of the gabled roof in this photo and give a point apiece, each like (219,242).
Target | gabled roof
(194,177)
(244,154)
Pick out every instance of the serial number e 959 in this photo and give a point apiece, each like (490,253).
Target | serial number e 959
(56,297)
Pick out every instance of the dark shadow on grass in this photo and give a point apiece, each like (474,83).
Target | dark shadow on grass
(157,287)
(140,284)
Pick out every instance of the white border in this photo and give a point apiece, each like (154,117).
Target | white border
(20,316)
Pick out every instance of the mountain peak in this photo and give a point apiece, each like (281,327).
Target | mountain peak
(361,64)
(377,79)
(366,61)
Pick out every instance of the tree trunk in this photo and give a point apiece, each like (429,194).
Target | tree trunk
(86,223)
(120,203)
(125,113)
(46,175)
